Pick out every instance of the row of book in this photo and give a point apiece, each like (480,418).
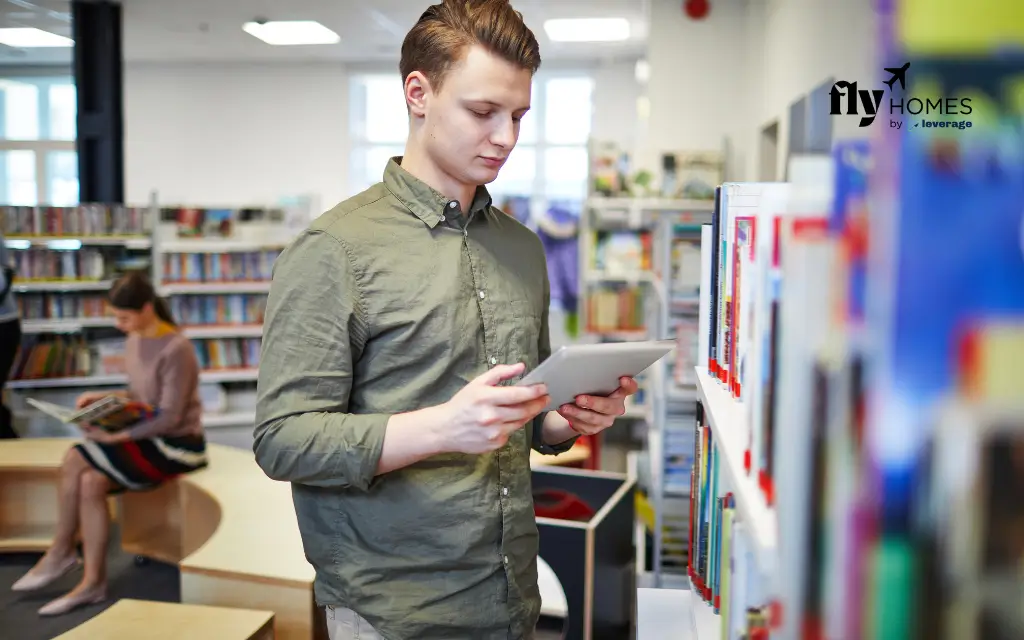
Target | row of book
(64,306)
(615,309)
(723,568)
(44,264)
(218,267)
(219,310)
(228,353)
(82,220)
(67,356)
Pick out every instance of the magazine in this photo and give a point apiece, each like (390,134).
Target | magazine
(111,413)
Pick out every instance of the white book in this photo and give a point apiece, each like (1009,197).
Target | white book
(803,327)
(69,415)
(704,319)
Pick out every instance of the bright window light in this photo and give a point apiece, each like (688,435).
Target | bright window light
(296,32)
(28,37)
(587,29)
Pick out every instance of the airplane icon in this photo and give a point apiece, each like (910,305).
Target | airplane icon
(897,74)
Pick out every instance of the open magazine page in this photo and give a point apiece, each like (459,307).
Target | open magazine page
(111,413)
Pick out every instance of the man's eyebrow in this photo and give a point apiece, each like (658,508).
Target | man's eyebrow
(495,104)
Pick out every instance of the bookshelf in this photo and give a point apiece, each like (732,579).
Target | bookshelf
(67,259)
(214,266)
(669,438)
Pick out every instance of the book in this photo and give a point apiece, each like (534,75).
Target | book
(111,413)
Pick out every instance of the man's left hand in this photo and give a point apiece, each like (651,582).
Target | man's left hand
(591,415)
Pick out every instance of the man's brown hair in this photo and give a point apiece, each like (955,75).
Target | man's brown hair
(445,30)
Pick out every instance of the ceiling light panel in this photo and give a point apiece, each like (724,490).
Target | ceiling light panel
(291,33)
(30,37)
(587,29)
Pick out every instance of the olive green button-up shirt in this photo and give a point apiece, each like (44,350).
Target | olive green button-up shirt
(389,303)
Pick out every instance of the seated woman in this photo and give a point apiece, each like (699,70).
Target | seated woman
(163,371)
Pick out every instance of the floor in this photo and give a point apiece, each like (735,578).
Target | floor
(151,581)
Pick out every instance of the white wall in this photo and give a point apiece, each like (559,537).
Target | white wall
(235,134)
(616,91)
(697,87)
(807,41)
(225,134)
(740,68)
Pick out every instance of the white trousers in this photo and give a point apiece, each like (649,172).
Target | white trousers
(346,624)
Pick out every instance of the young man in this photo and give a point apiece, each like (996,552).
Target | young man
(392,324)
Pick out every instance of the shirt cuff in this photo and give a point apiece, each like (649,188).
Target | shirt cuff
(548,449)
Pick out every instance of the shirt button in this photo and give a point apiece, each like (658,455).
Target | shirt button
(481,294)
(494,360)
(505,559)
(442,218)
(453,204)
(504,490)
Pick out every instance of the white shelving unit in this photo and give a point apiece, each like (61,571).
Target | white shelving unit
(233,406)
(704,622)
(235,400)
(727,420)
(65,325)
(674,410)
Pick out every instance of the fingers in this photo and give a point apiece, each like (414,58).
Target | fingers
(522,413)
(627,387)
(507,396)
(500,373)
(608,406)
(585,421)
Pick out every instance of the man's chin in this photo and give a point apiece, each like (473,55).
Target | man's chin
(484,176)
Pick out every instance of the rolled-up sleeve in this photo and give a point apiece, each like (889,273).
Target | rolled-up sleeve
(314,331)
(543,352)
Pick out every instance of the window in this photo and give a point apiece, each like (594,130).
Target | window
(38,160)
(550,161)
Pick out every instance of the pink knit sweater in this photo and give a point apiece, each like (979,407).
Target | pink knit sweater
(164,372)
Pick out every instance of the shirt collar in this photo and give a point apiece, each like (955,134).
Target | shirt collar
(423,200)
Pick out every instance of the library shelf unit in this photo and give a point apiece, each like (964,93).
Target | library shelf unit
(668,452)
(674,614)
(64,274)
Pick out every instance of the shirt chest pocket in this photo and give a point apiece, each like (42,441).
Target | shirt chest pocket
(524,334)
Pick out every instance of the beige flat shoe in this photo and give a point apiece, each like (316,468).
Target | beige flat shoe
(38,579)
(68,602)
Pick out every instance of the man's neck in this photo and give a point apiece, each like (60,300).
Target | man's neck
(422,168)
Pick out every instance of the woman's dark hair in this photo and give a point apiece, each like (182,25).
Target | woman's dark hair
(133,290)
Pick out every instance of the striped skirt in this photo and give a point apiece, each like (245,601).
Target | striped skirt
(138,465)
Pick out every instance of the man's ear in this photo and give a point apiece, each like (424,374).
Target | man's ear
(417,89)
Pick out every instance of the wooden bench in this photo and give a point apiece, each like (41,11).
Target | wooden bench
(230,529)
(128,618)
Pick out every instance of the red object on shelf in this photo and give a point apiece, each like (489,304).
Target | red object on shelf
(697,9)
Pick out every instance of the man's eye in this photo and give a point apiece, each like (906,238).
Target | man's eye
(480,114)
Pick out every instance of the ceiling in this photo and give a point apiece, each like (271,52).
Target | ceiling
(370,30)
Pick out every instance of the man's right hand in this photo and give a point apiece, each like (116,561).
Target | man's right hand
(481,417)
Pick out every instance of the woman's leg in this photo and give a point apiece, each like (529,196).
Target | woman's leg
(94,487)
(60,557)
(71,471)
(95,518)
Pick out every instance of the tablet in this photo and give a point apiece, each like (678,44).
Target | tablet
(594,369)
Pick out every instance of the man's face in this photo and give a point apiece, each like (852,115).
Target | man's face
(472,123)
